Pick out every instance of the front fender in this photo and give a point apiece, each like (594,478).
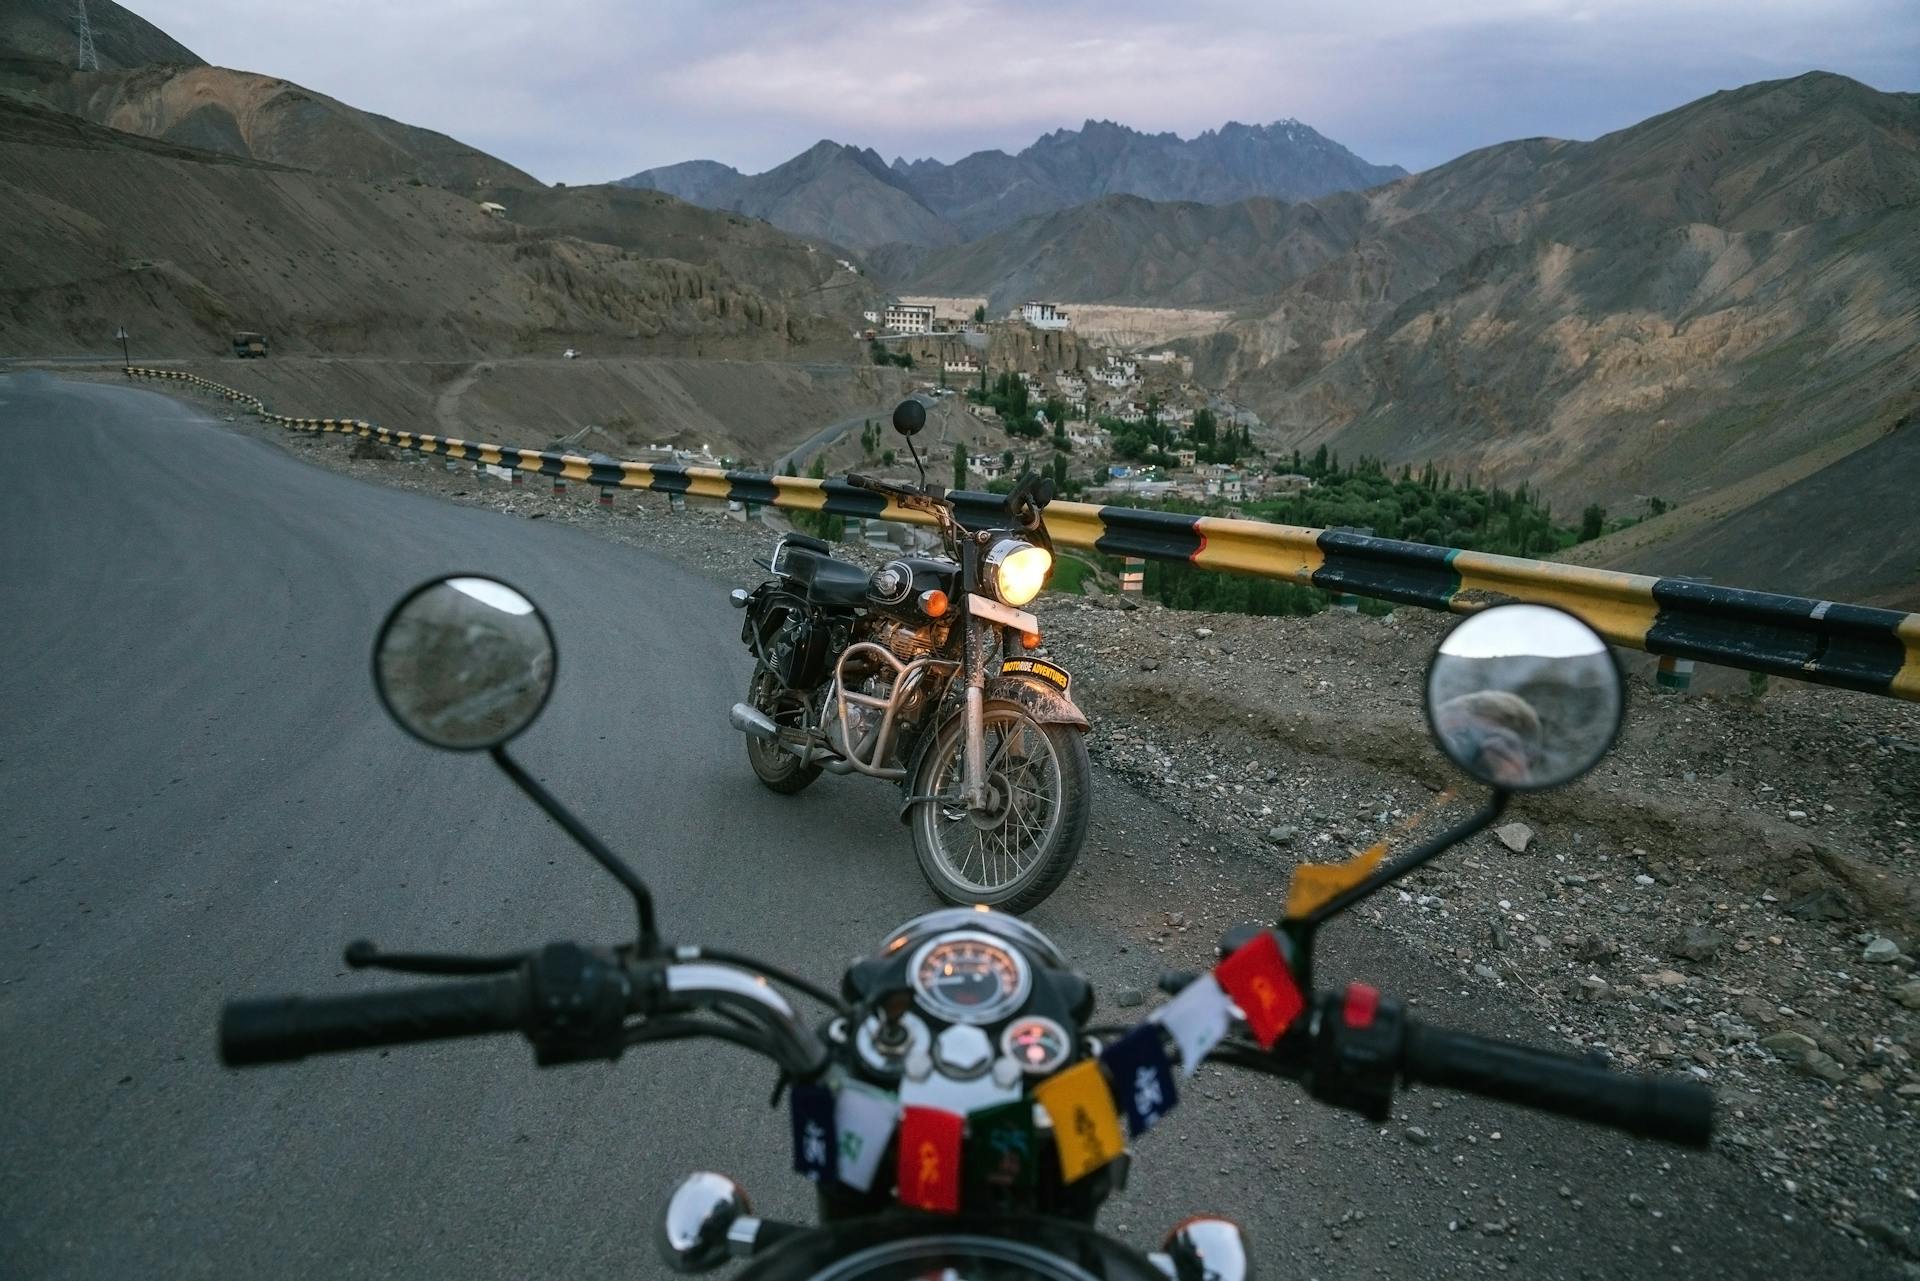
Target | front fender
(1038,699)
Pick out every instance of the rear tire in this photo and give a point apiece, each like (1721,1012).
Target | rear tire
(1043,782)
(773,764)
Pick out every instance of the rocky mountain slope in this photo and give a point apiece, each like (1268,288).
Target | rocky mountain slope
(42,31)
(849,196)
(838,193)
(1658,313)
(183,246)
(988,190)
(237,113)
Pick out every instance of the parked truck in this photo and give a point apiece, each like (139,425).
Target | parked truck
(245,345)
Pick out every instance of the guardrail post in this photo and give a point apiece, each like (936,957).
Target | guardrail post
(676,502)
(517,476)
(1133,575)
(606,496)
(559,485)
(1676,673)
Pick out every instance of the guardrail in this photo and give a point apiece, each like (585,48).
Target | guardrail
(1851,646)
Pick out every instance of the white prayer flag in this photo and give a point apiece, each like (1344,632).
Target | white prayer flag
(863,1120)
(1198,1019)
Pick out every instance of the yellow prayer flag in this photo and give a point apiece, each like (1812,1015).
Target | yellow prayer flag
(1317,883)
(1086,1129)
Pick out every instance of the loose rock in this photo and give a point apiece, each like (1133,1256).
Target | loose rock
(1515,836)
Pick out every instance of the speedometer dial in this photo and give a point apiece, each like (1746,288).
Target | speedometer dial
(969,977)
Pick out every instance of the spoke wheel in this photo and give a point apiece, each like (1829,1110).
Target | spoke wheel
(1015,852)
(772,763)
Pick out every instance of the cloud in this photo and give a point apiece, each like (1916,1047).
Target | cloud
(585,90)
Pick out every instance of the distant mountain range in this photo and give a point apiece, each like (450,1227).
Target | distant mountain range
(850,196)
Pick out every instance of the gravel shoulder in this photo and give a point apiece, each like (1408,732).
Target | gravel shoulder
(1734,893)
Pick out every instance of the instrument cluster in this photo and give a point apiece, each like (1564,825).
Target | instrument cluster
(986,991)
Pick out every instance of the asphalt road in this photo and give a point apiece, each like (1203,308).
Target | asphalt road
(200,799)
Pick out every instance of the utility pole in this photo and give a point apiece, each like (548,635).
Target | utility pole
(126,360)
(87,59)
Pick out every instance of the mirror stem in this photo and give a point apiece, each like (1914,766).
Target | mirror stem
(649,941)
(1477,821)
(917,463)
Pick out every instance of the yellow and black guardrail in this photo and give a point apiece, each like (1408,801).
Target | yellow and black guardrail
(1851,646)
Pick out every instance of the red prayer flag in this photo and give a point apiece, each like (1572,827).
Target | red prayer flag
(1257,979)
(930,1142)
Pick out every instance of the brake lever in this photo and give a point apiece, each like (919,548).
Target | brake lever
(363,954)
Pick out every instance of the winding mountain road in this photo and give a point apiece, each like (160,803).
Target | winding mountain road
(202,800)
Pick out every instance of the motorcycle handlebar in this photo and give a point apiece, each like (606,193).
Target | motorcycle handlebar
(287,1028)
(1668,1108)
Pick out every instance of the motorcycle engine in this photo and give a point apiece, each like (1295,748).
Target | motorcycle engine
(905,641)
(862,722)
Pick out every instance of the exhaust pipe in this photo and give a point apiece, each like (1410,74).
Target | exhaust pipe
(751,720)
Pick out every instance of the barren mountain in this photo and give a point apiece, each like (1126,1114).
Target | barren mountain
(840,194)
(848,196)
(988,190)
(1660,312)
(183,246)
(237,113)
(43,31)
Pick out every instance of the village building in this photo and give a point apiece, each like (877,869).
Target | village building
(909,318)
(986,466)
(1043,315)
(964,363)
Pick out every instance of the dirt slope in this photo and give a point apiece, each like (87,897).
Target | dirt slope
(237,113)
(185,246)
(42,30)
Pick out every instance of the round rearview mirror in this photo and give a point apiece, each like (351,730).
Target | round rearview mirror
(909,416)
(1524,696)
(464,663)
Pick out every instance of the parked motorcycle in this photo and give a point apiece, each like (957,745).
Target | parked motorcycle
(920,673)
(957,1108)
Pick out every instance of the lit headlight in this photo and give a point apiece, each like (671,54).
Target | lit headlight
(1018,570)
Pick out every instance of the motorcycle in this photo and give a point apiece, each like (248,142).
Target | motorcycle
(920,673)
(956,1106)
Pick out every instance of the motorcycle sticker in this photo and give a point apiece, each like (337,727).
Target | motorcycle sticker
(1086,1129)
(1142,1078)
(1052,673)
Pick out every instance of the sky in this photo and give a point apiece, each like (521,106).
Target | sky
(589,90)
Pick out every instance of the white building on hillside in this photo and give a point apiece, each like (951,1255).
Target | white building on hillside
(1043,315)
(909,318)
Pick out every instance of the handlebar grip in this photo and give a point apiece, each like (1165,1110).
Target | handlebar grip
(1668,1108)
(285,1028)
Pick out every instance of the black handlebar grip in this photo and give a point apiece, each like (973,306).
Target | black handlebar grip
(284,1028)
(1672,1109)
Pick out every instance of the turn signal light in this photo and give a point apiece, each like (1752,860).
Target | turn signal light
(933,603)
(1030,640)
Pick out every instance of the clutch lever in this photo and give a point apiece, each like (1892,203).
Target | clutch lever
(363,954)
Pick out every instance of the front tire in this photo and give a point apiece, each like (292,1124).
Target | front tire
(773,764)
(1016,855)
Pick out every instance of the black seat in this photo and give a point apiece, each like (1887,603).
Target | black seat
(828,581)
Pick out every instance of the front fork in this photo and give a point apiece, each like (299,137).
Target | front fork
(982,652)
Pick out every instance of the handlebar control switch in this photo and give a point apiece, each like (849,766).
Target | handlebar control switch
(1356,1050)
(579,1006)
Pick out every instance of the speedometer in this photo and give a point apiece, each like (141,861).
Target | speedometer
(969,977)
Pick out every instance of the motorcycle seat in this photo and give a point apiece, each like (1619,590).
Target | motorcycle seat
(827,581)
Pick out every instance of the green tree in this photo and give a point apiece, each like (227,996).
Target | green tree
(960,466)
(1593,523)
(1204,426)
(980,314)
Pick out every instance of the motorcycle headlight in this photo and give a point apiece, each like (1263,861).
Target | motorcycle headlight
(1018,570)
